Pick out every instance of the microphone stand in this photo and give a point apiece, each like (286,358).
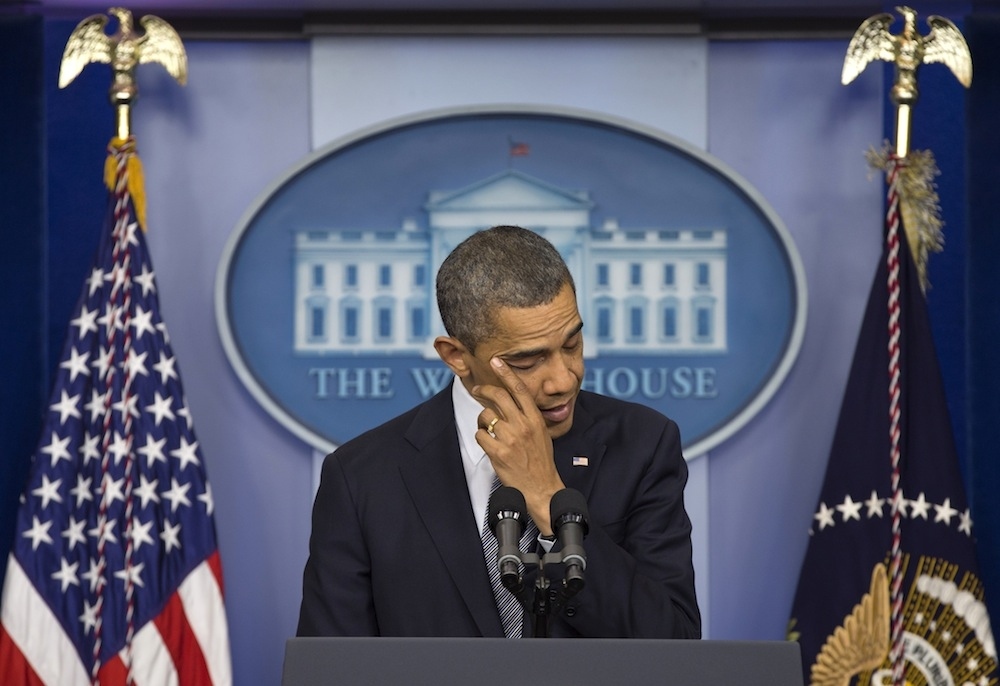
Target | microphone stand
(543,600)
(540,608)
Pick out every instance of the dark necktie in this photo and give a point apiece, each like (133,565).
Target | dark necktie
(511,614)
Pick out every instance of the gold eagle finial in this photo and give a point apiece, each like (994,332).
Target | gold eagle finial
(123,50)
(907,50)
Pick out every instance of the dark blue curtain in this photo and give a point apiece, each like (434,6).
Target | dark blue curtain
(983,297)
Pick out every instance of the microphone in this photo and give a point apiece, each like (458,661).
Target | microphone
(507,515)
(570,520)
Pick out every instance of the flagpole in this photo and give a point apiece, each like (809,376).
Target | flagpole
(139,597)
(907,50)
(124,50)
(921,614)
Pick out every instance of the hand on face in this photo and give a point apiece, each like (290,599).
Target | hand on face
(518,442)
(527,375)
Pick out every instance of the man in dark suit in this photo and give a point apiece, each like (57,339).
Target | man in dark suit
(396,547)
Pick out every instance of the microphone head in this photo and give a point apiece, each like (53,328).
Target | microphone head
(569,505)
(507,503)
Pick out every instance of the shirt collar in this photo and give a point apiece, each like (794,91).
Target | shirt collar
(467,410)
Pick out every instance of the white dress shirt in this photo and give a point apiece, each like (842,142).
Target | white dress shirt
(479,470)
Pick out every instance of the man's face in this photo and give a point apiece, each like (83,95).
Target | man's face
(543,346)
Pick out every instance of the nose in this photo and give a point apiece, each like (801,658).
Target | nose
(562,375)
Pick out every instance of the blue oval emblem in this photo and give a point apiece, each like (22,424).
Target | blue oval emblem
(692,293)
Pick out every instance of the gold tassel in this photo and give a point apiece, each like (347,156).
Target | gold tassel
(919,207)
(111,164)
(134,173)
(137,188)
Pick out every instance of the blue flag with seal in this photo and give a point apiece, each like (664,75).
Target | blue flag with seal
(890,591)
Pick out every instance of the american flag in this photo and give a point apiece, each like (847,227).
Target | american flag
(114,576)
(518,148)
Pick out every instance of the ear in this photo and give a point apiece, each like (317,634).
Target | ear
(452,353)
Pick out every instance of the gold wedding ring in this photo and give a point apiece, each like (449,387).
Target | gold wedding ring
(489,427)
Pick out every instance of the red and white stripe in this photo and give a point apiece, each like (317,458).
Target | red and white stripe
(186,644)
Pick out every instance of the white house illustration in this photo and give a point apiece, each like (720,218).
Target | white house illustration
(641,290)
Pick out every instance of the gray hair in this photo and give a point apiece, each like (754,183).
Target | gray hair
(505,266)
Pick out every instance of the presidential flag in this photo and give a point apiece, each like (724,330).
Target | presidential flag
(890,591)
(114,576)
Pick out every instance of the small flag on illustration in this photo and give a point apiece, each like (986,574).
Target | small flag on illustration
(518,148)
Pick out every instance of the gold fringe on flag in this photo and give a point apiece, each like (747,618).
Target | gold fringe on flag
(919,206)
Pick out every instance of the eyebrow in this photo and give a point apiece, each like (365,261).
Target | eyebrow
(534,352)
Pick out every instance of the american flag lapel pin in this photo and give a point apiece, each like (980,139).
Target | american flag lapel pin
(581,461)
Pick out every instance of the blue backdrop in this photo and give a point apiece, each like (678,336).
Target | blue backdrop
(774,108)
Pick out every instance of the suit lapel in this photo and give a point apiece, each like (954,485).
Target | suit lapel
(436,483)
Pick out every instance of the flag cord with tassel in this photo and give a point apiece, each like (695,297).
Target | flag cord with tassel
(896,554)
(121,152)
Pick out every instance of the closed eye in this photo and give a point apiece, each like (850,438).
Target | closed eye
(525,363)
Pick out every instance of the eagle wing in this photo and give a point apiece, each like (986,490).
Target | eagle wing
(88,43)
(871,41)
(162,44)
(861,642)
(945,44)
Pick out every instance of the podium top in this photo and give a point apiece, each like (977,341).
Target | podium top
(553,662)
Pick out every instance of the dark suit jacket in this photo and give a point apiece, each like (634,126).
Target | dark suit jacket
(395,548)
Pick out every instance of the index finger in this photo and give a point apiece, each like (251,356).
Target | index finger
(514,385)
